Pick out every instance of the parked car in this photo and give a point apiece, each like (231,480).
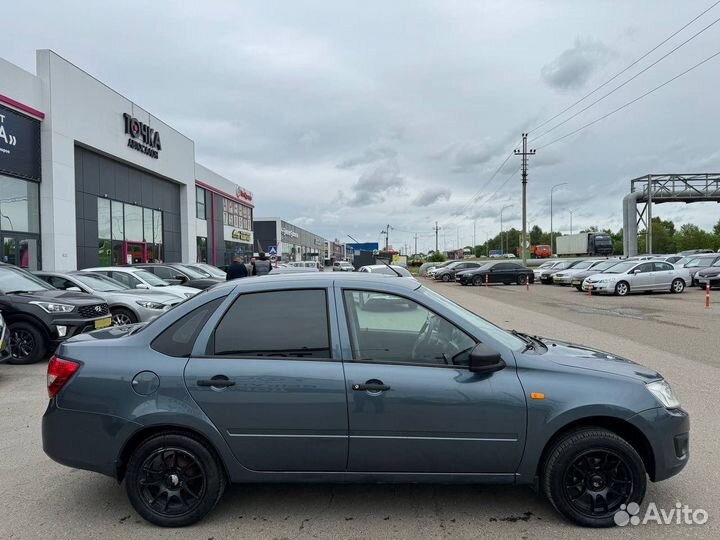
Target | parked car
(343,266)
(546,277)
(672,259)
(580,276)
(633,276)
(699,262)
(294,269)
(710,274)
(416,390)
(209,270)
(497,272)
(449,272)
(388,270)
(565,277)
(39,317)
(424,267)
(127,306)
(181,274)
(544,266)
(4,348)
(139,278)
(305,264)
(431,271)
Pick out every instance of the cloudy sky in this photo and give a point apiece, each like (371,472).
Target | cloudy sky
(343,117)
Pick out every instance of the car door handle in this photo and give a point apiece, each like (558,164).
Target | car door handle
(218,382)
(371,387)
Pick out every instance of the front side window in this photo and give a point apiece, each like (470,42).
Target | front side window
(391,329)
(645,267)
(276,324)
(16,280)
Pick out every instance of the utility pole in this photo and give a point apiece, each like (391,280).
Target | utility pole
(387,237)
(474,235)
(524,153)
(571,214)
(416,251)
(552,235)
(436,236)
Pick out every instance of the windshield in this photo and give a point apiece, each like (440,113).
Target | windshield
(604,266)
(96,282)
(150,278)
(621,267)
(15,280)
(495,332)
(453,264)
(562,265)
(212,270)
(601,239)
(546,265)
(582,265)
(716,263)
(193,273)
(698,263)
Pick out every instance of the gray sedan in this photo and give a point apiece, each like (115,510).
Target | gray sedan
(294,379)
(637,276)
(127,306)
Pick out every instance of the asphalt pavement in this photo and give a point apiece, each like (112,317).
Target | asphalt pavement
(674,334)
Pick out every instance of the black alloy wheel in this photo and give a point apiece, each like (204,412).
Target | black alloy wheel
(26,343)
(522,279)
(478,280)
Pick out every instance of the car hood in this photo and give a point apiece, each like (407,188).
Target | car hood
(711,271)
(67,297)
(153,295)
(595,277)
(576,356)
(176,290)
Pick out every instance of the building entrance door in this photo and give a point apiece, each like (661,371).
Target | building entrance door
(135,252)
(20,251)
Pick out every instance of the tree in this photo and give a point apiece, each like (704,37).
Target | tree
(436,257)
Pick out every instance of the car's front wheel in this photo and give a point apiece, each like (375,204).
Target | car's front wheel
(122,316)
(26,342)
(478,280)
(678,286)
(622,288)
(590,475)
(522,279)
(174,480)
(446,277)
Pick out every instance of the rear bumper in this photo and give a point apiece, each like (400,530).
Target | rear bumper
(668,432)
(83,440)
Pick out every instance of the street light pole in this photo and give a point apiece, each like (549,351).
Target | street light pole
(571,214)
(501,227)
(552,236)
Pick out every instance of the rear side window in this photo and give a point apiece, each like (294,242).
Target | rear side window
(179,338)
(282,324)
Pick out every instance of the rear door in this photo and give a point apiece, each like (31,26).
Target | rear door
(663,275)
(272,382)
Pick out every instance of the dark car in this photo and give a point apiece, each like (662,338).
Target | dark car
(449,272)
(698,263)
(547,276)
(181,274)
(39,316)
(404,387)
(4,349)
(497,272)
(599,268)
(711,275)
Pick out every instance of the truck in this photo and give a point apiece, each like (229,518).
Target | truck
(590,243)
(540,251)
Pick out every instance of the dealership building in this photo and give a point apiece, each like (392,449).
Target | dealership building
(288,242)
(87,178)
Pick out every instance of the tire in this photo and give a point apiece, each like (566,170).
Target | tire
(174,457)
(622,288)
(579,468)
(507,282)
(521,279)
(578,287)
(477,280)
(122,316)
(445,277)
(27,343)
(677,286)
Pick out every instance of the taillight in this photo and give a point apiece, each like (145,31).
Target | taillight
(59,372)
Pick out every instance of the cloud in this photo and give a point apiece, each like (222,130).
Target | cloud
(370,155)
(372,186)
(432,195)
(574,67)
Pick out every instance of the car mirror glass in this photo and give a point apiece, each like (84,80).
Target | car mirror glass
(484,359)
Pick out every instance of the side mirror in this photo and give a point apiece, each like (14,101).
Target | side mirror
(636,271)
(181,279)
(483,359)
(142,286)
(74,289)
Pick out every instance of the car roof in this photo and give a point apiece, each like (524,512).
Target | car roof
(115,268)
(350,279)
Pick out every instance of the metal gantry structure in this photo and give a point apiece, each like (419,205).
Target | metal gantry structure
(662,188)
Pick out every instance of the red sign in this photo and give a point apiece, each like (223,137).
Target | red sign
(242,193)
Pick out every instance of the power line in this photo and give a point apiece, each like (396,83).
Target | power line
(626,82)
(631,102)
(611,79)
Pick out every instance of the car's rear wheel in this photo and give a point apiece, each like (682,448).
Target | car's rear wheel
(522,279)
(174,480)
(478,280)
(26,342)
(590,475)
(446,277)
(678,286)
(122,316)
(622,288)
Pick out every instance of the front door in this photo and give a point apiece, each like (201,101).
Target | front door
(413,405)
(644,279)
(270,383)
(20,251)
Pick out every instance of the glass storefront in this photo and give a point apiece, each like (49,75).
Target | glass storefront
(20,222)
(202,250)
(235,249)
(128,233)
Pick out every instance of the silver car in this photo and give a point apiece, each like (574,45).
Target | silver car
(127,306)
(634,276)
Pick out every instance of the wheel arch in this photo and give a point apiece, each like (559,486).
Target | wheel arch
(622,428)
(17,317)
(126,307)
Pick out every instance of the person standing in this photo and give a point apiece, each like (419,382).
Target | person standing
(237,269)
(262,266)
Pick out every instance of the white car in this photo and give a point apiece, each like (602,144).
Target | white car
(343,266)
(139,278)
(544,266)
(635,276)
(388,270)
(565,277)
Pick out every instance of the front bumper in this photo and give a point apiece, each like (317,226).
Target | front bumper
(562,280)
(77,325)
(668,432)
(703,280)
(598,287)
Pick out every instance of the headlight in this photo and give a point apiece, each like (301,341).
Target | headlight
(664,394)
(150,305)
(52,307)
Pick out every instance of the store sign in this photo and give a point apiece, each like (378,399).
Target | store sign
(142,138)
(19,145)
(243,236)
(290,233)
(243,193)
